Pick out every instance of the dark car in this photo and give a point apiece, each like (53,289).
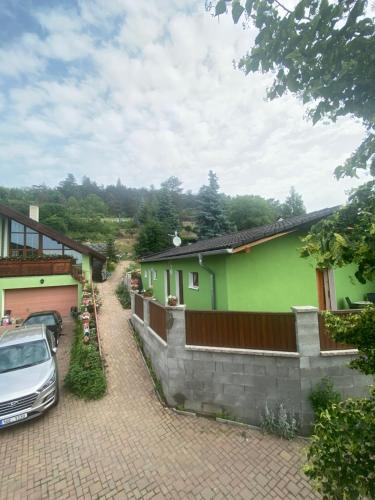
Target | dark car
(51,319)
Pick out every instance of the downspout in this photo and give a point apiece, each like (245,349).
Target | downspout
(213,281)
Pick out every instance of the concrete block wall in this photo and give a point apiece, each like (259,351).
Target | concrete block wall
(241,382)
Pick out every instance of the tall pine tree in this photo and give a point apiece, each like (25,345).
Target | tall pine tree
(211,217)
(151,238)
(167,213)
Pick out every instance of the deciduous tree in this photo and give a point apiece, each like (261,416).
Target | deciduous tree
(250,211)
(293,205)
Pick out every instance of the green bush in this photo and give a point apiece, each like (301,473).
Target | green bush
(341,457)
(357,330)
(111,266)
(323,396)
(85,378)
(123,296)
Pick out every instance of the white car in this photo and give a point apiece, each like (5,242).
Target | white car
(28,374)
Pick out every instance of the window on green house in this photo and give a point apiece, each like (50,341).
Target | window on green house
(194,280)
(154,275)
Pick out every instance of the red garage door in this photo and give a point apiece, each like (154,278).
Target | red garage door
(23,301)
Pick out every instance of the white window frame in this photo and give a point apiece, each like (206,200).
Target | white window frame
(191,280)
(154,274)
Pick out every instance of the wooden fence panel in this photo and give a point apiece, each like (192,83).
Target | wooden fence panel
(242,330)
(326,341)
(138,305)
(158,319)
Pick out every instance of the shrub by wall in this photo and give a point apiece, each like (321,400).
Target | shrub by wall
(123,295)
(86,377)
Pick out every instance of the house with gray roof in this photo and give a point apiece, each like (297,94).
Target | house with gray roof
(259,269)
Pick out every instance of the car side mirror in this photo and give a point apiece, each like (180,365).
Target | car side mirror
(54,350)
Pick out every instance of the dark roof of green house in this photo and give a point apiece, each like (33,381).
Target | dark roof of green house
(240,238)
(48,231)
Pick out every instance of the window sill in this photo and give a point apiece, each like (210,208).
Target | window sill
(194,288)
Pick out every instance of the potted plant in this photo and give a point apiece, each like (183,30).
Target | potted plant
(172,300)
(148,293)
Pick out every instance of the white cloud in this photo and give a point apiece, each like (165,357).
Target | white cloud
(157,96)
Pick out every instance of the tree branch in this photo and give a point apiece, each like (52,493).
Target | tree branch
(289,11)
(283,6)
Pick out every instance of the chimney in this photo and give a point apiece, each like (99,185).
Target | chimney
(34,212)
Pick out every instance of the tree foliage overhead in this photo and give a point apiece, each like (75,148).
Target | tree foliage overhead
(348,236)
(323,52)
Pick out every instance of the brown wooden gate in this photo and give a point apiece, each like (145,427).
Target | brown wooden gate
(243,330)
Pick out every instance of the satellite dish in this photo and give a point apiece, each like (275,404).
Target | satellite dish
(177,241)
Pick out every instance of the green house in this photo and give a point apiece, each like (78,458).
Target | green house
(259,269)
(40,268)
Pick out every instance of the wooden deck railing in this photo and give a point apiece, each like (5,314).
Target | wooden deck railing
(138,305)
(14,268)
(158,319)
(243,330)
(326,341)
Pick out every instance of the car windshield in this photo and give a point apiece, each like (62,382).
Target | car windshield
(17,356)
(43,319)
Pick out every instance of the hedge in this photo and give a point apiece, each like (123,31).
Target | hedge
(86,377)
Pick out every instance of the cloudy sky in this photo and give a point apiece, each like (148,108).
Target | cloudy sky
(142,90)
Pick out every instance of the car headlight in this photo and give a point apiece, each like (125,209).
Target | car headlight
(50,382)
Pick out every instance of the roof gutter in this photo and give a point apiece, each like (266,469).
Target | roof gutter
(189,256)
(213,281)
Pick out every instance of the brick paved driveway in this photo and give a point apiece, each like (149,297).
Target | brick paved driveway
(128,446)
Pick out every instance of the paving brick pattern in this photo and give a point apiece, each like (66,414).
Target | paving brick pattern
(128,446)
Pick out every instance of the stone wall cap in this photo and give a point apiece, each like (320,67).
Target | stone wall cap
(249,352)
(339,352)
(304,309)
(156,336)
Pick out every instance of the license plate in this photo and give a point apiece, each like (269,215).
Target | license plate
(11,420)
